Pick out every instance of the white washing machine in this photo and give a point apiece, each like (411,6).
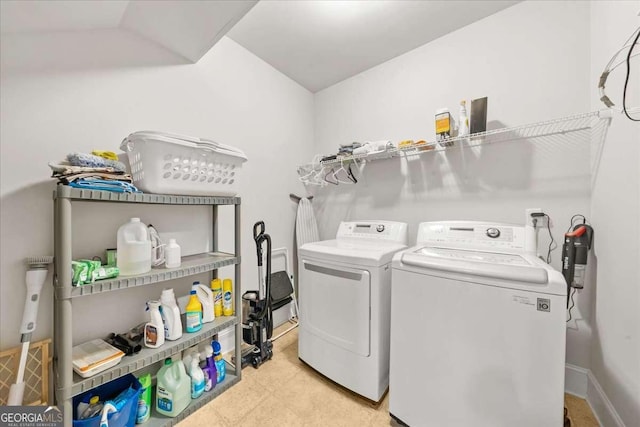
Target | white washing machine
(477,330)
(344,297)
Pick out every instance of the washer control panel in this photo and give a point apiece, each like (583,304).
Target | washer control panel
(472,235)
(379,230)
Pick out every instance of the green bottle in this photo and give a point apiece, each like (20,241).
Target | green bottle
(144,401)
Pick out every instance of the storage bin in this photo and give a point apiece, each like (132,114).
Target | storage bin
(165,163)
(126,417)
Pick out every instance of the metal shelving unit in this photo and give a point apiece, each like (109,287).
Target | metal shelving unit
(590,125)
(190,265)
(67,383)
(158,420)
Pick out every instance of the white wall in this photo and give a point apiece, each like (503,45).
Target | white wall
(64,92)
(532,62)
(615,357)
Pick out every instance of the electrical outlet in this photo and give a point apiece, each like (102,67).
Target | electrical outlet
(529,218)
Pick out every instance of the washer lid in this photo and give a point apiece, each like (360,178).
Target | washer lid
(358,252)
(519,268)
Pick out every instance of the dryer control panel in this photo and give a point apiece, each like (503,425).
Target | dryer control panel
(379,230)
(472,235)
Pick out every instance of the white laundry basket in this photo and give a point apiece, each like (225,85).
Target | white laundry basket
(165,163)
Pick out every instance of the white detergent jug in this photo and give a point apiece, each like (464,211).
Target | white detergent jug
(170,315)
(205,296)
(173,392)
(133,248)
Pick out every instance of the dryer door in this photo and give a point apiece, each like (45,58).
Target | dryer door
(335,304)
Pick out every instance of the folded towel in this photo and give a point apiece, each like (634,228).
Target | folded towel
(66,179)
(89,160)
(64,168)
(104,185)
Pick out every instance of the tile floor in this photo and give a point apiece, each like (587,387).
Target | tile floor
(286,392)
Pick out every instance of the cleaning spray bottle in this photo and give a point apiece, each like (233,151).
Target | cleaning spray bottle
(205,296)
(143,411)
(197,378)
(193,313)
(221,368)
(154,330)
(170,315)
(216,288)
(210,371)
(227,297)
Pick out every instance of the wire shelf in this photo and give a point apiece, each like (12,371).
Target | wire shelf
(587,126)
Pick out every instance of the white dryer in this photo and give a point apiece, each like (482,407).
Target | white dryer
(477,330)
(344,297)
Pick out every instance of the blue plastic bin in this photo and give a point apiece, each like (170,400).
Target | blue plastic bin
(123,418)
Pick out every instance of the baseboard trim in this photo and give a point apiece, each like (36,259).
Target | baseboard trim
(601,405)
(576,380)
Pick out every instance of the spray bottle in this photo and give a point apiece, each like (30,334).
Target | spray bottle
(227,298)
(154,330)
(197,378)
(221,368)
(210,371)
(216,288)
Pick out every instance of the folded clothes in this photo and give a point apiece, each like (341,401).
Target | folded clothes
(110,155)
(66,179)
(92,161)
(104,185)
(65,168)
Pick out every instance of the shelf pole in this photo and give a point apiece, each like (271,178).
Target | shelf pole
(56,321)
(214,229)
(238,291)
(64,317)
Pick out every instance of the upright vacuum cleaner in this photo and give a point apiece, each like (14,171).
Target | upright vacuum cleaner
(257,322)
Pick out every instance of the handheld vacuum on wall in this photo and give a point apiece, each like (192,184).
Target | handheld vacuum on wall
(575,251)
(257,322)
(36,275)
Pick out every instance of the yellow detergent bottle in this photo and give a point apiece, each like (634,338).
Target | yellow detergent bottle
(193,312)
(216,287)
(227,300)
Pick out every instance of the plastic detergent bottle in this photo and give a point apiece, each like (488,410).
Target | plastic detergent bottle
(205,296)
(463,124)
(197,378)
(170,315)
(216,288)
(221,369)
(227,300)
(193,313)
(172,254)
(154,329)
(210,371)
(144,401)
(173,392)
(133,248)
